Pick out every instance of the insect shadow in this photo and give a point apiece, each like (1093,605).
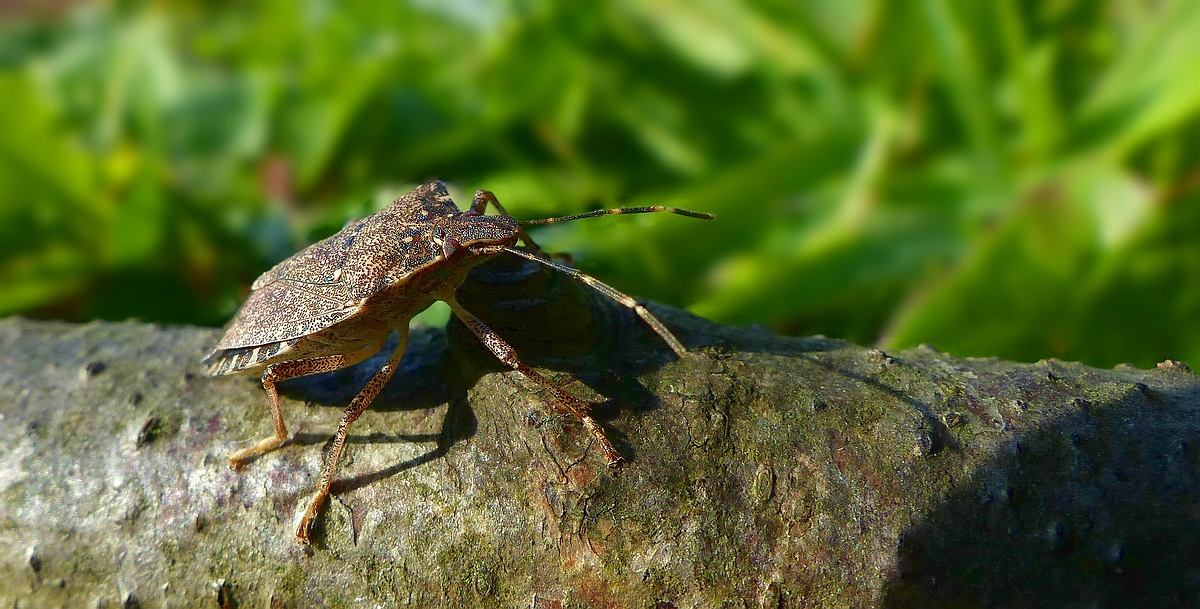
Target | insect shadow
(552,321)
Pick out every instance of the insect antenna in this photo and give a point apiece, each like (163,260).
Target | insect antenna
(612,293)
(621,210)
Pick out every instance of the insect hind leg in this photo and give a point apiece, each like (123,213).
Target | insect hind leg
(611,292)
(282,371)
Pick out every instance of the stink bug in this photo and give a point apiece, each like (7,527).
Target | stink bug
(334,304)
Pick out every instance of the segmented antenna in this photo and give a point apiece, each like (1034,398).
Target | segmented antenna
(609,291)
(621,210)
(613,293)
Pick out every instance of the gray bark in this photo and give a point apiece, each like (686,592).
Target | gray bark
(762,471)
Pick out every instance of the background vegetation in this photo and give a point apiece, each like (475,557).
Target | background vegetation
(1008,178)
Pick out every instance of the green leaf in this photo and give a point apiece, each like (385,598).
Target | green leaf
(1152,87)
(49,211)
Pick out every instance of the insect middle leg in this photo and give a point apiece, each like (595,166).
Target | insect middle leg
(563,401)
(349,416)
(276,373)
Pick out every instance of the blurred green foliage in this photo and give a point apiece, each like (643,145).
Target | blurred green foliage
(1008,178)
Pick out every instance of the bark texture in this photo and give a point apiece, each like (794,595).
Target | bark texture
(763,472)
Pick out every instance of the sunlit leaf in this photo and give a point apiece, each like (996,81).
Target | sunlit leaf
(997,178)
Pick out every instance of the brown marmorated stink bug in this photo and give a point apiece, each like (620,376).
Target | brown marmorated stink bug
(334,304)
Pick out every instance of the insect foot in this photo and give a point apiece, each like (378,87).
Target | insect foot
(333,305)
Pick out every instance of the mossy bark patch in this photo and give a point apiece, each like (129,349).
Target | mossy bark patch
(763,472)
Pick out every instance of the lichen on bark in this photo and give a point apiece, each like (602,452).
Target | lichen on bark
(762,471)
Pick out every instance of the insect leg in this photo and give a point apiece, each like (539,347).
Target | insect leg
(283,371)
(614,294)
(349,416)
(563,401)
(479,206)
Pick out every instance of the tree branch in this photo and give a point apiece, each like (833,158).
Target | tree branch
(763,472)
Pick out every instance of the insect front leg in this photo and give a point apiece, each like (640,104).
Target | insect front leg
(283,371)
(563,401)
(349,416)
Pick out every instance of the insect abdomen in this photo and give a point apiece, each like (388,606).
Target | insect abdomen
(230,361)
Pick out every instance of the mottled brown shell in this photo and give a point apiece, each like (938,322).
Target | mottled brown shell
(328,281)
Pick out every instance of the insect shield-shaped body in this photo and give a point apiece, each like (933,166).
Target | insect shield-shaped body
(334,304)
